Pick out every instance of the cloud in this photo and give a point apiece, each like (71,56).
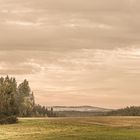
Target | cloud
(84,49)
(82,24)
(22,23)
(91,73)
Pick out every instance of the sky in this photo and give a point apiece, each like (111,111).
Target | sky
(73,52)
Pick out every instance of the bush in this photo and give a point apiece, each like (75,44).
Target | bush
(8,120)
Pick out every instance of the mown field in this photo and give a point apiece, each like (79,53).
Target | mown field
(94,128)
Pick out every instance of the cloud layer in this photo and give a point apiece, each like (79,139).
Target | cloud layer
(88,50)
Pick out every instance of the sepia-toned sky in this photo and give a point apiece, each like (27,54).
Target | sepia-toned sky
(73,52)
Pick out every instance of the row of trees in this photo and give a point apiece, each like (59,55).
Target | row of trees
(19,100)
(128,111)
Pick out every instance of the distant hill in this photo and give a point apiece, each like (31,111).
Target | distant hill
(80,108)
(79,111)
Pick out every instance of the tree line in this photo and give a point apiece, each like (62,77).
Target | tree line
(19,100)
(128,111)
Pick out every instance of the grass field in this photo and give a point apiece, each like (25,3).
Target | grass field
(95,128)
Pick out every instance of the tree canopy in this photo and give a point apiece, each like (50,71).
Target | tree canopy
(19,100)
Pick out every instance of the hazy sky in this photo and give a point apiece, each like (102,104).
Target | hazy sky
(73,52)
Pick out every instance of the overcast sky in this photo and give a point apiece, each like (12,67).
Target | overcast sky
(73,52)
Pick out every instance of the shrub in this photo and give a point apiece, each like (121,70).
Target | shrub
(8,120)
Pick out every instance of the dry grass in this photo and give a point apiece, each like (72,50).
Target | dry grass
(95,128)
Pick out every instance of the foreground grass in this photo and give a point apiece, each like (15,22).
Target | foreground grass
(95,128)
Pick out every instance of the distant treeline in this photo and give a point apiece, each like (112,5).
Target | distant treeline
(19,100)
(128,111)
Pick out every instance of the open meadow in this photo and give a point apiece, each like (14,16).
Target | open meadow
(94,128)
